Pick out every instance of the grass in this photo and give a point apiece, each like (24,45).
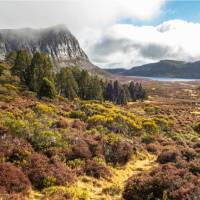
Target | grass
(111,189)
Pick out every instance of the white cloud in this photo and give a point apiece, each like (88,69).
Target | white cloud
(107,43)
(124,45)
(76,14)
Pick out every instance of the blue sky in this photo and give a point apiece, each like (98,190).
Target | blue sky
(184,10)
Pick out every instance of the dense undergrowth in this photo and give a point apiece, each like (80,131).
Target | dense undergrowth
(56,146)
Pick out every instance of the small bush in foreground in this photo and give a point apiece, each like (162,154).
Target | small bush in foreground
(165,182)
(167,156)
(12,179)
(44,172)
(96,169)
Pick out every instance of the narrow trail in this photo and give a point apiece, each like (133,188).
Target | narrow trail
(109,189)
(112,189)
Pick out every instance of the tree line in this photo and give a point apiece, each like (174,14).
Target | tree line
(36,72)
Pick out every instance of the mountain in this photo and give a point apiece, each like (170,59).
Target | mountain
(58,42)
(163,68)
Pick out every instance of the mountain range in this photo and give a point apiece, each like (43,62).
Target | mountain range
(58,42)
(163,68)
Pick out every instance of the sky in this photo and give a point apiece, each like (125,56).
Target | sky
(117,33)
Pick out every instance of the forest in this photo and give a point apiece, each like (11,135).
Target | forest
(71,82)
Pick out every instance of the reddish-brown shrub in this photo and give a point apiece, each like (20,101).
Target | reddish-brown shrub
(96,169)
(12,179)
(78,124)
(95,145)
(188,154)
(118,152)
(4,131)
(153,148)
(13,149)
(44,172)
(166,180)
(168,156)
(194,167)
(61,123)
(80,150)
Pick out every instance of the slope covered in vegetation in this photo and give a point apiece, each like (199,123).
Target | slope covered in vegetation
(58,148)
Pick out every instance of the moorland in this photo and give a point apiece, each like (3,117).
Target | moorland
(58,147)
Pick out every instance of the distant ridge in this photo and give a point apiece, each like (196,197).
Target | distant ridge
(163,68)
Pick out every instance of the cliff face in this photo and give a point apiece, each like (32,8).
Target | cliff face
(58,42)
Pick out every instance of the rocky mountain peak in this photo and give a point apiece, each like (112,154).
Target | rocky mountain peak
(57,41)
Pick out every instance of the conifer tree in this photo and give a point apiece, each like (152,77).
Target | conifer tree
(1,69)
(76,73)
(21,64)
(40,67)
(95,91)
(11,57)
(116,91)
(66,84)
(84,84)
(47,89)
(122,98)
(132,91)
(109,91)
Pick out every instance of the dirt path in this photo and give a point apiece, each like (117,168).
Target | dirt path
(112,189)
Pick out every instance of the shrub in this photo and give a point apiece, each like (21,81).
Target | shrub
(164,123)
(80,150)
(95,145)
(77,114)
(118,152)
(150,127)
(57,193)
(47,89)
(42,141)
(42,108)
(197,128)
(153,148)
(61,123)
(148,139)
(165,182)
(189,154)
(76,164)
(152,110)
(66,193)
(168,156)
(194,167)
(44,172)
(12,179)
(13,149)
(96,170)
(78,124)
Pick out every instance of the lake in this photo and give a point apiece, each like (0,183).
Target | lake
(164,79)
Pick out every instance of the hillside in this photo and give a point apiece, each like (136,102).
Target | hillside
(164,68)
(59,148)
(58,42)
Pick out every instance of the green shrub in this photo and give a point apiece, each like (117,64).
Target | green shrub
(197,128)
(150,127)
(148,138)
(47,182)
(164,123)
(47,89)
(42,108)
(152,110)
(78,115)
